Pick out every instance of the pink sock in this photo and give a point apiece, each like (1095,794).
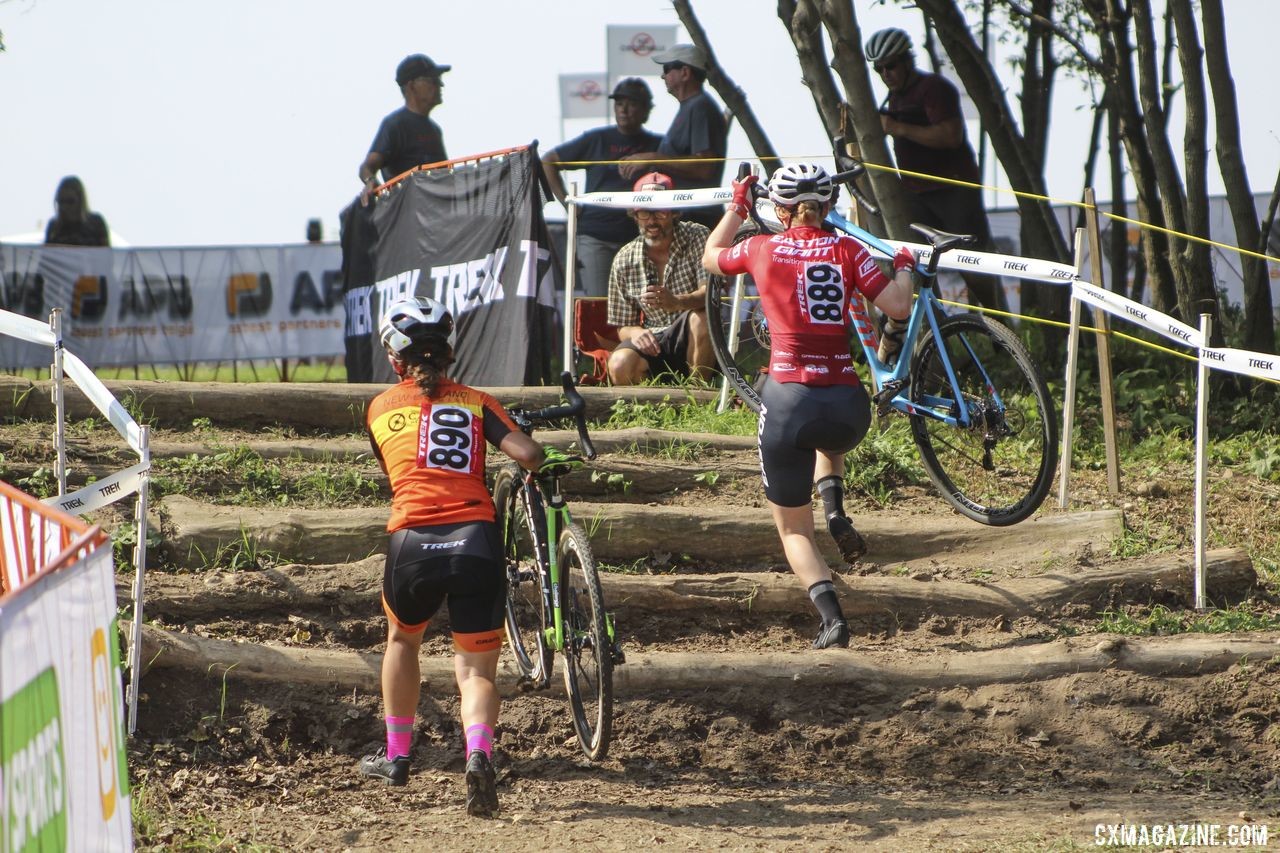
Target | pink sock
(399,736)
(480,737)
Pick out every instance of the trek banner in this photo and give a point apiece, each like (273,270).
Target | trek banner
(471,236)
(64,780)
(174,306)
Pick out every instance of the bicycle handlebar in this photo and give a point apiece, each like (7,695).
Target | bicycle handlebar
(576,409)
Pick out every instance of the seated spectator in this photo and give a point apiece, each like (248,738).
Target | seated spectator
(657,296)
(74,224)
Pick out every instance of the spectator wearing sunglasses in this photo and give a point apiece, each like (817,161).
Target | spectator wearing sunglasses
(407,137)
(922,115)
(694,147)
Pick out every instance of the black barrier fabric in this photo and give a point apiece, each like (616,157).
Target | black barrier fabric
(473,237)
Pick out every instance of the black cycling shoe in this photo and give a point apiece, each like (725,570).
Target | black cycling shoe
(392,772)
(482,787)
(833,634)
(850,542)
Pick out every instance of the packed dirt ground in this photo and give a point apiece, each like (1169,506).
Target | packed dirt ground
(224,762)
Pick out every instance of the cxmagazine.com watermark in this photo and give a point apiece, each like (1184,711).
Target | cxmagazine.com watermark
(1239,835)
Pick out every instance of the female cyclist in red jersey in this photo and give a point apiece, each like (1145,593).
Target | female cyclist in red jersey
(429,433)
(814,409)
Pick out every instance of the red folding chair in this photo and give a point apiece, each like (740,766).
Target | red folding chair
(593,337)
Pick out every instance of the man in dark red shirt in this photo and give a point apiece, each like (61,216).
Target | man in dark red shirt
(922,114)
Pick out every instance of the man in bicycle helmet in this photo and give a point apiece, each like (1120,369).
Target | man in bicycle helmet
(429,433)
(814,409)
(922,114)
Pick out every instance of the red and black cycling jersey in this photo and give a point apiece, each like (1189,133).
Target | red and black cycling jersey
(806,278)
(433,450)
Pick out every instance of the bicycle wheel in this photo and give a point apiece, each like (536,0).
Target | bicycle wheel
(999,469)
(588,651)
(523,523)
(753,348)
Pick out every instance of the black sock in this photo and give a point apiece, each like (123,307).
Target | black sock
(823,596)
(831,490)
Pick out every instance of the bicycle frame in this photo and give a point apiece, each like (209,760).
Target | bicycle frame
(925,310)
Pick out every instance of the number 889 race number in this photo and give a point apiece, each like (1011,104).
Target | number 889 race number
(824,295)
(446,438)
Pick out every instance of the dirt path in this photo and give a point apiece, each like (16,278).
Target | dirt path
(1029,764)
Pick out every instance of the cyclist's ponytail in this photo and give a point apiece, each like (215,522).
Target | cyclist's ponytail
(427,362)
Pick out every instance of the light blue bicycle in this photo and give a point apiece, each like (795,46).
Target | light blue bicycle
(979,409)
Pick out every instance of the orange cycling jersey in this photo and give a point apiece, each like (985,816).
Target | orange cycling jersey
(433,450)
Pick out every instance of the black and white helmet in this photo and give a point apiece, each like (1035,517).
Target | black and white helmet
(887,44)
(798,182)
(412,321)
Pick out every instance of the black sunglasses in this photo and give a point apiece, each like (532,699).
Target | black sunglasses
(882,67)
(668,67)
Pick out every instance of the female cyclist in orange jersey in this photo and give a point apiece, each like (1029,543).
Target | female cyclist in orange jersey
(430,433)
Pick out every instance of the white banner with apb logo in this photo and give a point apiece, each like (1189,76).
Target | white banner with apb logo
(630,50)
(173,306)
(584,96)
(64,780)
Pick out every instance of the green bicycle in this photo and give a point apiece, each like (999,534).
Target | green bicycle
(554,599)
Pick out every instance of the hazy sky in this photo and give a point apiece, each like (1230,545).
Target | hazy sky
(237,121)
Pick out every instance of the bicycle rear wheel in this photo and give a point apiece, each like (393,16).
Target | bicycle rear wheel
(523,523)
(741,368)
(588,650)
(998,470)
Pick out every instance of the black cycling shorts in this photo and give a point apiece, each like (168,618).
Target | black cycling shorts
(798,420)
(460,563)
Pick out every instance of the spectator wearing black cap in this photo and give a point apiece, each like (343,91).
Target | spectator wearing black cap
(698,134)
(602,231)
(408,137)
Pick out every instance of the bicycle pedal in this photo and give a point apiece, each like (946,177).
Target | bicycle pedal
(617,655)
(884,397)
(525,684)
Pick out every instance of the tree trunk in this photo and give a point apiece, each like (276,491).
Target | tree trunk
(777,672)
(1195,152)
(805,28)
(732,96)
(1259,324)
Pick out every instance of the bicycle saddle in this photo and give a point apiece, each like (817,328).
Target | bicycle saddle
(943,240)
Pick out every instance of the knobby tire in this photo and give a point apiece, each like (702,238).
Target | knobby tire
(1023,438)
(520,544)
(588,671)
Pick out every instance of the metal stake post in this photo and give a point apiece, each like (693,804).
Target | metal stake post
(1069,396)
(734,325)
(140,563)
(59,405)
(1202,416)
(570,276)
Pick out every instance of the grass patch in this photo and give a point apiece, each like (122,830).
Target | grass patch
(1149,539)
(1161,621)
(681,415)
(241,476)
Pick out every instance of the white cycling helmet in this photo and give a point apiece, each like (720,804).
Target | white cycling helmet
(413,320)
(887,44)
(798,182)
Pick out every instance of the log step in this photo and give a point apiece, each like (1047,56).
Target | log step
(704,536)
(877,674)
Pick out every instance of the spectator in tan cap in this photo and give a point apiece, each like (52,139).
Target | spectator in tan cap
(657,296)
(602,231)
(698,134)
(408,137)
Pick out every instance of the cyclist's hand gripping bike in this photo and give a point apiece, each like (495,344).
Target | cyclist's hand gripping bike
(554,600)
(980,411)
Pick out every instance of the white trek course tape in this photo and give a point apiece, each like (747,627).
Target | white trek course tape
(1135,312)
(105,491)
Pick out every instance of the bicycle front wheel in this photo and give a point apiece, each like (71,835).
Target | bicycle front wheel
(588,649)
(998,469)
(741,368)
(523,523)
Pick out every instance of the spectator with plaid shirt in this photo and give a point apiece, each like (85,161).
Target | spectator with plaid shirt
(657,293)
